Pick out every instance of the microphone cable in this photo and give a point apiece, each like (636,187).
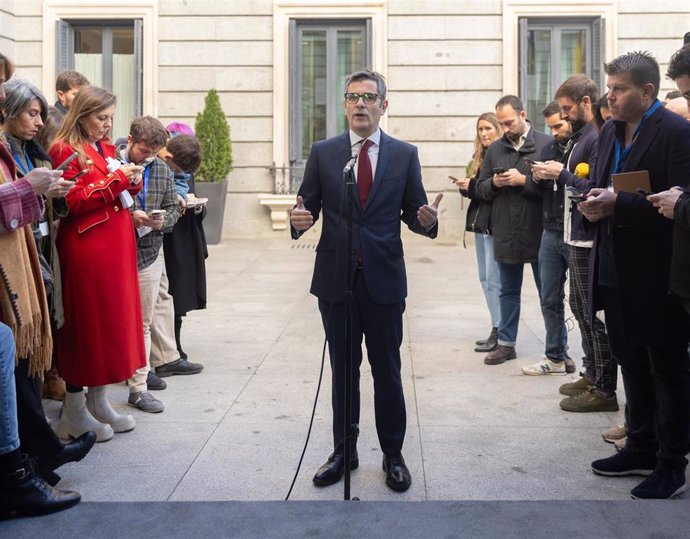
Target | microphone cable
(325,343)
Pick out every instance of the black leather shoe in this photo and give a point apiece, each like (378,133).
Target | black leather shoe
(490,344)
(397,475)
(71,452)
(24,493)
(180,366)
(154,382)
(332,471)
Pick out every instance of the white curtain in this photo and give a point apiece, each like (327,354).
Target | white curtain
(91,65)
(123,88)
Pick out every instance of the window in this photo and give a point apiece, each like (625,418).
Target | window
(109,55)
(322,53)
(551,50)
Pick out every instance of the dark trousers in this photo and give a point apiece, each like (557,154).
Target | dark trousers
(657,389)
(35,435)
(382,328)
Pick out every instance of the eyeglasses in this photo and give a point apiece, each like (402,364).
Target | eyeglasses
(369,99)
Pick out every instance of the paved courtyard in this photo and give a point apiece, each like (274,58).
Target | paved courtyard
(235,432)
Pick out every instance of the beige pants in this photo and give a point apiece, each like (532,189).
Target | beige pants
(159,322)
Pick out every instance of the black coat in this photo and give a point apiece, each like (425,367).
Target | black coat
(642,238)
(515,211)
(680,263)
(478,218)
(185,261)
(583,150)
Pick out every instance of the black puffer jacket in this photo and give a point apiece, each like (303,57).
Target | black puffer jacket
(516,219)
(479,211)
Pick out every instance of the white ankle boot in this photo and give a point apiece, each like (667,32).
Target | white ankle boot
(98,405)
(76,420)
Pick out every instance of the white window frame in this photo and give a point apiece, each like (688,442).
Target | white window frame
(283,12)
(513,10)
(147,11)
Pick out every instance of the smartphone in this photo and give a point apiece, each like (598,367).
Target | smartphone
(529,161)
(577,198)
(453,179)
(67,161)
(498,170)
(152,213)
(79,174)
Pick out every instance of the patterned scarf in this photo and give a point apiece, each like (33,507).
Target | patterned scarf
(23,305)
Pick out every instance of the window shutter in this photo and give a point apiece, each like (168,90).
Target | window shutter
(294,99)
(64,57)
(138,66)
(522,51)
(598,53)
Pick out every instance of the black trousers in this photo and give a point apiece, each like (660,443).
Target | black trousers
(36,437)
(381,326)
(657,390)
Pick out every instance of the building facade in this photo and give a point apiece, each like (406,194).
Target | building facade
(278,66)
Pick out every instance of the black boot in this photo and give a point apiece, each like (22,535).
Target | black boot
(24,493)
(490,344)
(70,452)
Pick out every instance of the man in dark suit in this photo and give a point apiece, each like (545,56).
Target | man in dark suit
(647,327)
(389,190)
(675,203)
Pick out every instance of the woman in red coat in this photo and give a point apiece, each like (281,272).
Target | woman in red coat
(102,340)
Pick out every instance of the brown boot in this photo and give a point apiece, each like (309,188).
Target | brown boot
(53,386)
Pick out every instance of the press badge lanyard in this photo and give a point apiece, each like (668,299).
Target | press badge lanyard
(145,183)
(29,166)
(621,156)
(145,188)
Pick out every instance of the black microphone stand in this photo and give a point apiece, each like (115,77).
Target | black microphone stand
(349,180)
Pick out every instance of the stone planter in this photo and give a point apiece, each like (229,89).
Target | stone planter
(216,193)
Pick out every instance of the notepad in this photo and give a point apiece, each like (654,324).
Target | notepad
(630,182)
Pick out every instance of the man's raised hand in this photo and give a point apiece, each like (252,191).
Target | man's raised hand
(427,215)
(300,218)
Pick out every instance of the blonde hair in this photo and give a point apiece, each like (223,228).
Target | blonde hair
(89,100)
(479,150)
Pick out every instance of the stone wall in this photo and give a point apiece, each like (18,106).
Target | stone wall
(444,57)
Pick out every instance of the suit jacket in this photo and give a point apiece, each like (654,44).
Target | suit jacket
(641,236)
(396,195)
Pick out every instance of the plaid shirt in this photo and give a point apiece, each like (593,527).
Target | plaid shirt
(160,195)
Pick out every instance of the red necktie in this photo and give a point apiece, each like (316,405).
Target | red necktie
(364,177)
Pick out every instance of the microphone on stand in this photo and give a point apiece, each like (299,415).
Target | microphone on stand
(353,159)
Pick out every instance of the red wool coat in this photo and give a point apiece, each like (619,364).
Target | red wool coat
(102,340)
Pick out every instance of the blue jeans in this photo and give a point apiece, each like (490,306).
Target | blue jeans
(488,275)
(511,288)
(9,431)
(553,266)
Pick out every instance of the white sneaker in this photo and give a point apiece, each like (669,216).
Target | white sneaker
(545,366)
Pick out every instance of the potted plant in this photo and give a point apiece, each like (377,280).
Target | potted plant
(213,133)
